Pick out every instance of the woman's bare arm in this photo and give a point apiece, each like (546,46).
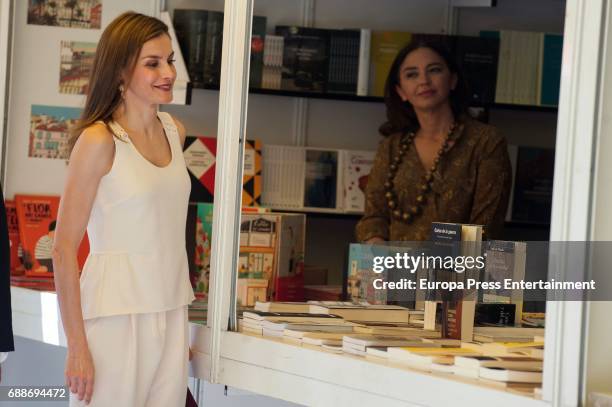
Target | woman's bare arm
(91,159)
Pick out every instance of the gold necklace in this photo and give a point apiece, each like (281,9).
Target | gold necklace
(409,215)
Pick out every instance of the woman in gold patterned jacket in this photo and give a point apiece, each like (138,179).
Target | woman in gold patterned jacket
(436,163)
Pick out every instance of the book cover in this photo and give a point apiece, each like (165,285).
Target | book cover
(384,47)
(532,196)
(49,131)
(200,156)
(363,75)
(37,217)
(257,51)
(357,166)
(321,178)
(212,49)
(204,221)
(251,176)
(360,286)
(305,58)
(272,62)
(343,66)
(478,59)
(13,234)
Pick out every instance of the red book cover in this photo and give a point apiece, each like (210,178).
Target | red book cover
(13,231)
(37,216)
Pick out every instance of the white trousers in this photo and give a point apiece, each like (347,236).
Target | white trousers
(140,360)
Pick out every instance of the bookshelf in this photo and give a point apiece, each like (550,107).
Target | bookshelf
(373,99)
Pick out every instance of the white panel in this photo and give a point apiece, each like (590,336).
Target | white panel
(35,80)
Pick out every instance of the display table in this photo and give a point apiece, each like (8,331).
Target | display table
(282,370)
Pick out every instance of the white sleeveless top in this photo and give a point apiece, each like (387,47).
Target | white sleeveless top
(138,260)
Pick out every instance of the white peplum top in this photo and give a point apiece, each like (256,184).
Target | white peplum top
(138,259)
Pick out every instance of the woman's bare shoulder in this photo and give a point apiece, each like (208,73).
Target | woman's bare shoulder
(95,145)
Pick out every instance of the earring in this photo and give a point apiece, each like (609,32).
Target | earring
(121,89)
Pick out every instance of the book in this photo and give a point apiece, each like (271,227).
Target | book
(251,290)
(356,169)
(190,27)
(378,351)
(258,34)
(495,314)
(288,316)
(343,69)
(423,357)
(200,157)
(16,264)
(476,362)
(37,216)
(552,54)
(363,341)
(501,374)
(305,58)
(384,47)
(532,194)
(272,62)
(385,313)
(200,154)
(360,275)
(505,260)
(322,186)
(363,74)
(280,306)
(203,239)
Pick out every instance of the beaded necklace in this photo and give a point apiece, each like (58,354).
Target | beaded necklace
(409,215)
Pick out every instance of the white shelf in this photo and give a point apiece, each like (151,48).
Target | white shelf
(281,370)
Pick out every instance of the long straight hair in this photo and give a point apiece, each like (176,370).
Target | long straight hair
(401,116)
(115,59)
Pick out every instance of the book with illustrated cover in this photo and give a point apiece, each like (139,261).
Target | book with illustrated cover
(360,275)
(357,166)
(37,217)
(14,242)
(251,176)
(200,158)
(505,260)
(305,58)
(203,239)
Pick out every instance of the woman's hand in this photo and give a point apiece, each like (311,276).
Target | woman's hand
(375,240)
(80,373)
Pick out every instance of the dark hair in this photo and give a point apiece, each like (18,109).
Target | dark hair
(116,54)
(401,116)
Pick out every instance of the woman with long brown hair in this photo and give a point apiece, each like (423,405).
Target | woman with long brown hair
(125,318)
(436,164)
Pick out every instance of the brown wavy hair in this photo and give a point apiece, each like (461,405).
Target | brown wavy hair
(115,58)
(401,116)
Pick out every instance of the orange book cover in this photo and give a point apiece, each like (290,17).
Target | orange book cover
(13,232)
(37,216)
